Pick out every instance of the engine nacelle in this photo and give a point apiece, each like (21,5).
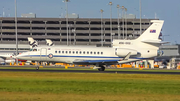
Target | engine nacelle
(124,51)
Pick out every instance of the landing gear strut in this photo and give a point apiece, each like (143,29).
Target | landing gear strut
(102,68)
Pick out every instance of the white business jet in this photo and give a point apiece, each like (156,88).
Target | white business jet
(124,51)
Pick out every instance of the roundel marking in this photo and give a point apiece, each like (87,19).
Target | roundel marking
(50,55)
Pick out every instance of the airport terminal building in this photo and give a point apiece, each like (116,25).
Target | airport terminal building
(81,31)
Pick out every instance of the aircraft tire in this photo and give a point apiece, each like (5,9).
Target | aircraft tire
(102,68)
(37,68)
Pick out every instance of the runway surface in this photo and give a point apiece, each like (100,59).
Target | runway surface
(90,71)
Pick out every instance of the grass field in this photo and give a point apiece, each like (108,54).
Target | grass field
(46,86)
(107,69)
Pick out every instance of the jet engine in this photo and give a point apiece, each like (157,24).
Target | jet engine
(123,52)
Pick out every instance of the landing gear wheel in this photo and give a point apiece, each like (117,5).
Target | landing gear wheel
(102,68)
(37,68)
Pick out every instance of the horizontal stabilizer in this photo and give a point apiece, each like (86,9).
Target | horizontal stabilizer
(155,41)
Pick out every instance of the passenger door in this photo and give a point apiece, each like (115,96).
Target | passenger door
(43,54)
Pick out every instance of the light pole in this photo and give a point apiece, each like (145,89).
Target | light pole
(70,25)
(73,30)
(126,20)
(110,3)
(113,34)
(66,1)
(101,28)
(164,36)
(123,19)
(16,31)
(140,16)
(118,7)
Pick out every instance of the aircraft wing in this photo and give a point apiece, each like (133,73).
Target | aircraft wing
(5,56)
(80,61)
(127,61)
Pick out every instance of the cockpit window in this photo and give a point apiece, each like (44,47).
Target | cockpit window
(34,49)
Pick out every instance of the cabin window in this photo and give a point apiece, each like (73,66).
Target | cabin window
(101,52)
(84,52)
(87,52)
(66,52)
(76,52)
(80,52)
(91,52)
(69,52)
(73,52)
(94,52)
(97,52)
(63,52)
(55,51)
(59,51)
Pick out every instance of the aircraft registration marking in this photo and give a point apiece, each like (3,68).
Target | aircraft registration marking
(127,43)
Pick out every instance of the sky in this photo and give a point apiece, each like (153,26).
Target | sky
(167,10)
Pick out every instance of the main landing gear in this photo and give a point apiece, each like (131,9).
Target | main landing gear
(102,68)
(37,68)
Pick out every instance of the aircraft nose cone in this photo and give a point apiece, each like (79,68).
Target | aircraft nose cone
(20,56)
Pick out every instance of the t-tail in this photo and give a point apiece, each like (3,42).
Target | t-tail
(49,42)
(149,36)
(147,43)
(33,43)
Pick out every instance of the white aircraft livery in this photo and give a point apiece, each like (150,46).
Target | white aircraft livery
(123,51)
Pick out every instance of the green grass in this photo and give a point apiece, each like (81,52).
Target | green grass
(88,87)
(107,69)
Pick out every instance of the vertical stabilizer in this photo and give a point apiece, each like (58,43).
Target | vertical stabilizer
(153,32)
(149,38)
(49,42)
(33,43)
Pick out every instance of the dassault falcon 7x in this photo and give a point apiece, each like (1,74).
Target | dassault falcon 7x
(124,51)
